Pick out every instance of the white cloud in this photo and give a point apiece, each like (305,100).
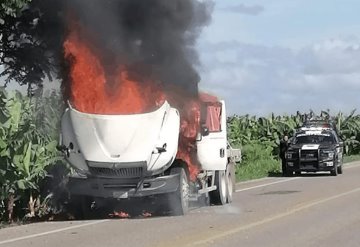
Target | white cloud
(244,9)
(333,57)
(259,79)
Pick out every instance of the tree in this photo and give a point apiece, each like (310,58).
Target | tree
(25,44)
(11,8)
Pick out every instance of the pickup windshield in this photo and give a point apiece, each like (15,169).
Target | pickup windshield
(314,139)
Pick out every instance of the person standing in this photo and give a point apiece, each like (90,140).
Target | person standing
(284,144)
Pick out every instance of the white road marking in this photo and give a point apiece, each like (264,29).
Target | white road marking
(52,232)
(267,184)
(270,219)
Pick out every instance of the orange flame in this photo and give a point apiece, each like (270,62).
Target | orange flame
(89,92)
(146,214)
(189,127)
(120,214)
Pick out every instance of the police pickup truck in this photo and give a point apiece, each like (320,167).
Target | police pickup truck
(314,149)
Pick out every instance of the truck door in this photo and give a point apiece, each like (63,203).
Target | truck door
(212,141)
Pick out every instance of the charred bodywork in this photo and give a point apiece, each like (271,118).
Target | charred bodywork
(313,150)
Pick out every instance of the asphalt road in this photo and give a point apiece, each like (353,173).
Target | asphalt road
(311,210)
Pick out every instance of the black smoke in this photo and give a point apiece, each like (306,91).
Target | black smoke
(152,37)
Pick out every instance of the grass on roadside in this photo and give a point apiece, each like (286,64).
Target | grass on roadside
(351,158)
(258,169)
(257,162)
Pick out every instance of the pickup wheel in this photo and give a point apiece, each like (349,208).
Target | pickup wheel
(340,169)
(219,196)
(179,200)
(334,172)
(289,173)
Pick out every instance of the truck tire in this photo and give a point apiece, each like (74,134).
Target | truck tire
(179,200)
(289,173)
(81,207)
(340,169)
(230,176)
(204,200)
(334,172)
(219,196)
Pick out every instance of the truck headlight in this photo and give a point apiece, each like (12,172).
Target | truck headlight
(329,154)
(289,155)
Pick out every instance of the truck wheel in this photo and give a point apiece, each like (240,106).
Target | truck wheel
(340,169)
(289,173)
(230,176)
(82,207)
(204,200)
(335,171)
(179,200)
(219,196)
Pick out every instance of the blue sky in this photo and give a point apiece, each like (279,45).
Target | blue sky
(281,56)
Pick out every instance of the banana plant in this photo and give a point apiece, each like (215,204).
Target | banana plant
(27,145)
(245,129)
(349,130)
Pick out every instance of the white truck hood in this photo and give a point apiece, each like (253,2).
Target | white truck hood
(118,138)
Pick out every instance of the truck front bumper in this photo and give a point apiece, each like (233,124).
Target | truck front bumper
(122,188)
(317,166)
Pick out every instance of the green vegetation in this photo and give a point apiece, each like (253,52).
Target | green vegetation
(28,139)
(11,8)
(25,57)
(351,158)
(259,139)
(257,162)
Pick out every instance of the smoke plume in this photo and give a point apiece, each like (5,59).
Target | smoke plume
(154,38)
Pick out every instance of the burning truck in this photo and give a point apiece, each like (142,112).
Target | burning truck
(146,154)
(136,125)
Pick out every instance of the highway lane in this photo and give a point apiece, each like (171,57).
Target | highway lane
(311,210)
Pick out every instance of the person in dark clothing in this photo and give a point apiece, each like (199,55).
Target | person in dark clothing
(284,144)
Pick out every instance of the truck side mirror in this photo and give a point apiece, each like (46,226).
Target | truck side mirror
(162,149)
(204,131)
(64,149)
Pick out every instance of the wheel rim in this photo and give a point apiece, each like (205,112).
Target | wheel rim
(223,184)
(230,187)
